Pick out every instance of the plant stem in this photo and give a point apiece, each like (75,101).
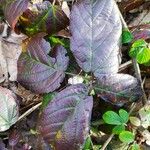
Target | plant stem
(138,76)
(107,142)
(136,66)
(28,112)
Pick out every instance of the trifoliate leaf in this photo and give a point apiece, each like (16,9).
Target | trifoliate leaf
(135,147)
(118,129)
(124,115)
(110,117)
(143,56)
(126,137)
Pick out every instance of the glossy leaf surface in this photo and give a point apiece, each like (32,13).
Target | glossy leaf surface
(96,30)
(65,122)
(38,71)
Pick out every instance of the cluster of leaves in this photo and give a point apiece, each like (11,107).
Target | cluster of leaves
(139,49)
(96,30)
(120,121)
(141,52)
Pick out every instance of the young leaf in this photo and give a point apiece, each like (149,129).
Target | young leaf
(137,46)
(135,147)
(139,43)
(9,109)
(118,88)
(38,71)
(13,10)
(50,18)
(65,121)
(110,117)
(143,56)
(126,137)
(96,31)
(124,115)
(127,36)
(118,129)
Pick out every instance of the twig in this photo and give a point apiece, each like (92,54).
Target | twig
(136,66)
(125,65)
(138,76)
(28,112)
(54,2)
(107,142)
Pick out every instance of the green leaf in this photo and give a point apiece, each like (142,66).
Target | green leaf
(46,99)
(139,43)
(135,147)
(143,56)
(110,117)
(124,115)
(126,137)
(134,51)
(57,41)
(137,46)
(88,144)
(127,36)
(118,129)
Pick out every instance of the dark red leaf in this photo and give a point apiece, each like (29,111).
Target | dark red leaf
(65,121)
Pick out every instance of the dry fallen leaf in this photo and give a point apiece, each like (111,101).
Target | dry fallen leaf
(10,50)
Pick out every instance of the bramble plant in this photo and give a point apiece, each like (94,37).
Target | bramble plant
(73,62)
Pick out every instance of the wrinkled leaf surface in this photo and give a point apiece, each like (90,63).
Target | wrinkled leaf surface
(38,71)
(65,122)
(96,30)
(118,88)
(48,18)
(13,10)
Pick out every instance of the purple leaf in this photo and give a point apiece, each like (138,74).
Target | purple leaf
(13,10)
(50,18)
(14,137)
(38,71)
(141,34)
(65,122)
(96,30)
(118,88)
(2,145)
